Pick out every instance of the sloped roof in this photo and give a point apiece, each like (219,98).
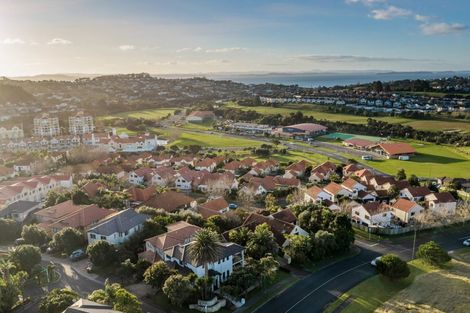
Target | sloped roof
(404,205)
(397,148)
(178,233)
(119,222)
(216,204)
(170,201)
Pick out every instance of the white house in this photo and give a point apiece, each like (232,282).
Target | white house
(336,191)
(372,214)
(415,193)
(353,187)
(117,228)
(405,209)
(316,194)
(441,202)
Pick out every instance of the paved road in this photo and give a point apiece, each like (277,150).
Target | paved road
(319,289)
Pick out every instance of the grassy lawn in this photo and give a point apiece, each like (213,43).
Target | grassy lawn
(445,290)
(197,126)
(258,297)
(150,114)
(431,161)
(317,111)
(213,140)
(373,292)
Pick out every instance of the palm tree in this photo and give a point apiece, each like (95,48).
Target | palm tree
(205,249)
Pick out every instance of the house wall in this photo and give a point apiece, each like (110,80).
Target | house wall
(114,239)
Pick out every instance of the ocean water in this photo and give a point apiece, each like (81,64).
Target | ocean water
(330,79)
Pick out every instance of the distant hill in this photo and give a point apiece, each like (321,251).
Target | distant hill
(59,77)
(10,93)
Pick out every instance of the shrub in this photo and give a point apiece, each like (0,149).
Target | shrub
(393,267)
(433,254)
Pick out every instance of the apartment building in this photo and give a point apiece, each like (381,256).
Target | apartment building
(80,124)
(46,126)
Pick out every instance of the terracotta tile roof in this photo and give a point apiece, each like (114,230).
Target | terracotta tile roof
(165,172)
(285,215)
(298,167)
(290,182)
(333,188)
(59,210)
(404,205)
(178,233)
(202,114)
(309,127)
(248,162)
(232,166)
(324,168)
(141,194)
(84,217)
(364,172)
(216,204)
(91,188)
(402,184)
(149,256)
(441,197)
(376,207)
(349,183)
(383,179)
(170,201)
(278,227)
(397,148)
(313,191)
(419,191)
(205,163)
(351,168)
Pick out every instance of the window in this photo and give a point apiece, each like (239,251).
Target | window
(103,238)
(367,217)
(92,236)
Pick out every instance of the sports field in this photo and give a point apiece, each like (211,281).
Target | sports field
(187,138)
(151,114)
(316,112)
(344,136)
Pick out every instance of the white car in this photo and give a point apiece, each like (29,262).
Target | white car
(466,242)
(374,261)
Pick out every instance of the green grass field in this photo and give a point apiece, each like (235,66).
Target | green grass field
(373,292)
(215,141)
(316,112)
(151,114)
(431,161)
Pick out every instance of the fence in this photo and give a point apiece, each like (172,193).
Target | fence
(384,231)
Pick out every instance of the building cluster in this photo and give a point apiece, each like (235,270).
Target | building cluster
(378,103)
(301,131)
(48,126)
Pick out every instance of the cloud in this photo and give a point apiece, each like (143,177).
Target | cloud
(126,47)
(389,13)
(353,59)
(364,2)
(224,50)
(422,18)
(442,28)
(197,49)
(13,41)
(59,41)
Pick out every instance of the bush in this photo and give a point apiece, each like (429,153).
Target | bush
(34,235)
(157,274)
(102,253)
(67,240)
(57,300)
(433,254)
(393,267)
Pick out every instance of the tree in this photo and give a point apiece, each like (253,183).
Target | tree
(34,235)
(299,248)
(324,245)
(343,232)
(433,254)
(11,230)
(393,267)
(11,287)
(157,274)
(205,249)
(57,300)
(413,180)
(56,196)
(393,192)
(240,235)
(261,242)
(25,257)
(268,267)
(117,297)
(67,240)
(271,203)
(79,196)
(178,289)
(401,174)
(102,253)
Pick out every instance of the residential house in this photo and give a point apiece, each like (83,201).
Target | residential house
(200,116)
(139,195)
(337,191)
(353,187)
(206,165)
(163,176)
(20,210)
(87,306)
(216,206)
(316,194)
(373,214)
(415,193)
(405,209)
(296,170)
(216,182)
(350,169)
(322,172)
(185,177)
(171,201)
(118,227)
(395,150)
(441,202)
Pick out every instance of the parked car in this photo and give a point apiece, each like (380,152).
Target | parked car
(466,242)
(19,241)
(77,255)
(374,261)
(232,206)
(366,157)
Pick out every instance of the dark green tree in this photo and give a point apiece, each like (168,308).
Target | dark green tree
(392,267)
(25,257)
(433,254)
(102,253)
(57,300)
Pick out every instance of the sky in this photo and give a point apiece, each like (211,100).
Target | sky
(207,36)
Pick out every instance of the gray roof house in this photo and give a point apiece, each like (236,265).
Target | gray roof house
(117,228)
(19,210)
(87,306)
